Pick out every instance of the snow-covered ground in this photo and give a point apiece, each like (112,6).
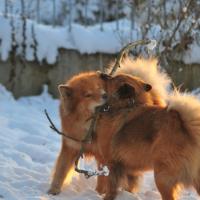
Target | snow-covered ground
(28,149)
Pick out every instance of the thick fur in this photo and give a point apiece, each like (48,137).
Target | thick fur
(165,139)
(149,136)
(111,122)
(75,110)
(189,108)
(150,72)
(79,97)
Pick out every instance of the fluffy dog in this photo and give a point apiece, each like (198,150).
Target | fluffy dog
(79,97)
(163,138)
(112,121)
(149,71)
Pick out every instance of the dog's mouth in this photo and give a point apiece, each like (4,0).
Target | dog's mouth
(103,108)
(93,106)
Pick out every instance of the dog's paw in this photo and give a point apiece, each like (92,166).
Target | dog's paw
(54,191)
(100,190)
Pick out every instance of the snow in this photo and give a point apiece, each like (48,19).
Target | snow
(5,38)
(88,39)
(50,39)
(192,55)
(28,149)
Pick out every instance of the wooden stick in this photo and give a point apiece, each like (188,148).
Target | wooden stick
(125,50)
(53,127)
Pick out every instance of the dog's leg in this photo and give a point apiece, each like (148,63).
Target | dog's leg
(101,184)
(133,182)
(196,184)
(197,187)
(166,183)
(101,180)
(64,163)
(116,173)
(132,185)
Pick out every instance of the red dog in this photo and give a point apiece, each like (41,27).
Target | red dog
(165,139)
(80,95)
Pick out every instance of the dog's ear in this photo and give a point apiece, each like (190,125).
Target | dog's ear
(126,91)
(65,91)
(147,87)
(104,76)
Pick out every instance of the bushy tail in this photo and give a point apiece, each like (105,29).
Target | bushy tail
(188,107)
(149,71)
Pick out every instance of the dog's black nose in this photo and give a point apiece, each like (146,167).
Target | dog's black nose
(104,96)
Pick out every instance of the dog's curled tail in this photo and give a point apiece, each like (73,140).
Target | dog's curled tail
(149,71)
(188,107)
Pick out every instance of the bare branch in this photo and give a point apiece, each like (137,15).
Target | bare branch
(35,43)
(24,27)
(181,18)
(53,127)
(124,50)
(38,10)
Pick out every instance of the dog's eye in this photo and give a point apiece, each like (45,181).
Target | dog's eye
(88,95)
